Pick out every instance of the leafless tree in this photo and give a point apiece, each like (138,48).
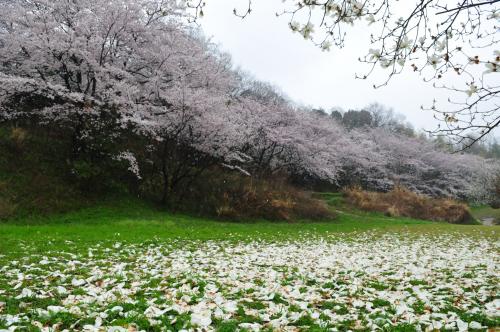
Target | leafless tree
(442,40)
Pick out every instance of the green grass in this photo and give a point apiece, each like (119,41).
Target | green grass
(102,227)
(481,212)
(137,222)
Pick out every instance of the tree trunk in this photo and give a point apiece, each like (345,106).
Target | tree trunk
(164,170)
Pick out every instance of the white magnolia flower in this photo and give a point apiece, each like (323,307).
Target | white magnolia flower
(437,325)
(348,19)
(117,309)
(201,318)
(231,306)
(250,326)
(118,329)
(54,309)
(475,325)
(333,7)
(219,313)
(385,63)
(440,46)
(493,308)
(461,325)
(152,312)
(240,273)
(295,26)
(42,313)
(492,67)
(78,282)
(11,320)
(26,292)
(307,30)
(326,45)
(405,43)
(374,54)
(472,89)
(358,303)
(434,60)
(61,290)
(75,311)
(495,15)
(401,308)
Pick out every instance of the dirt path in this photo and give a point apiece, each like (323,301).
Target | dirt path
(488,221)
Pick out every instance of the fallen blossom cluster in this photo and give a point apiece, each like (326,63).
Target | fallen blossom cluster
(336,283)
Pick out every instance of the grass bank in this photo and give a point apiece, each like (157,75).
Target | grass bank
(135,222)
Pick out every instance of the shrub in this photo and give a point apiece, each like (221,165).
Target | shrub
(236,197)
(18,136)
(495,204)
(401,202)
(261,200)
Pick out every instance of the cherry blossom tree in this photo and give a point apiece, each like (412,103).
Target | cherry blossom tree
(423,167)
(133,59)
(132,81)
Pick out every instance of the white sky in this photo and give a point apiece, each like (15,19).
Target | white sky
(263,45)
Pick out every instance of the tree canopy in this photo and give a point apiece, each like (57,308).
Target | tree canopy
(452,45)
(134,81)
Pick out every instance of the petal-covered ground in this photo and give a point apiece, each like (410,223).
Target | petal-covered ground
(394,282)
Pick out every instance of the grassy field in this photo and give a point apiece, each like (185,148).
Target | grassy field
(135,222)
(128,267)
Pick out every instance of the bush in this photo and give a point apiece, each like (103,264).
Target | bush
(495,204)
(262,201)
(401,202)
(236,197)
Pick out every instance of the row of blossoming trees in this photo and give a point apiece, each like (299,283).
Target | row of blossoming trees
(131,82)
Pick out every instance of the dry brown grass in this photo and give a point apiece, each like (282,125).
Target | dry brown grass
(271,201)
(18,136)
(401,202)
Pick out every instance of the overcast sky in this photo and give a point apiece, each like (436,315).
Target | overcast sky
(263,45)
